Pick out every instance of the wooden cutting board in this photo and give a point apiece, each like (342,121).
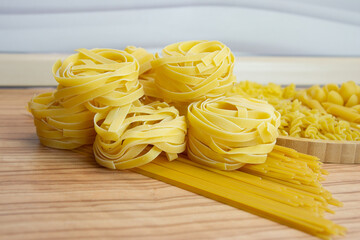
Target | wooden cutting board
(57,194)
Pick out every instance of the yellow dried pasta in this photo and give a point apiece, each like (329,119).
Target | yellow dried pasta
(346,113)
(146,73)
(342,102)
(98,78)
(101,90)
(142,56)
(101,86)
(286,188)
(90,81)
(59,127)
(298,120)
(135,134)
(227,132)
(193,70)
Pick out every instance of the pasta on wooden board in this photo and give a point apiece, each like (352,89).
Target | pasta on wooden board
(297,119)
(101,91)
(342,102)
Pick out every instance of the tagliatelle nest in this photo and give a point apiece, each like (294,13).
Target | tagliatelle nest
(136,134)
(193,70)
(228,132)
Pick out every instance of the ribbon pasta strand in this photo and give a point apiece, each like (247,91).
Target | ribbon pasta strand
(297,203)
(146,74)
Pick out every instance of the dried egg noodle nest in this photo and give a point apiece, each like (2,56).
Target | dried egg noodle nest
(101,92)
(98,78)
(90,81)
(59,127)
(193,70)
(136,134)
(228,132)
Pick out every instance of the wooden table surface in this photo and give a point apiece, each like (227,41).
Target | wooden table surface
(57,194)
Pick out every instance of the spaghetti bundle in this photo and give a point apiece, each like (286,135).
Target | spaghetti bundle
(285,188)
(193,70)
(136,134)
(227,132)
(142,56)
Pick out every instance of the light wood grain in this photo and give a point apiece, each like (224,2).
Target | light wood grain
(56,194)
(328,151)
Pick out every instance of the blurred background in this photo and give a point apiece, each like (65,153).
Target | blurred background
(297,28)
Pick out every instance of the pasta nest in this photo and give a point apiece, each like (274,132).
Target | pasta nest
(228,132)
(59,127)
(98,78)
(90,81)
(135,134)
(193,70)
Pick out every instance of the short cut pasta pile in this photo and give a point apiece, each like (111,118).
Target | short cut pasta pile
(299,119)
(137,108)
(342,102)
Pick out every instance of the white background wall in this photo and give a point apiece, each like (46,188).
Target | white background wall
(257,27)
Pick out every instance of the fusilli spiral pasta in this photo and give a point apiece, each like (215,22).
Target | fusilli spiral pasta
(297,119)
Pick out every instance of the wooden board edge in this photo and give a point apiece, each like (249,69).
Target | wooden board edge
(327,151)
